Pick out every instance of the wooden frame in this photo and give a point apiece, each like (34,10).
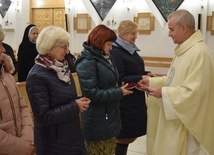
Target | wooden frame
(146,23)
(210,23)
(82,23)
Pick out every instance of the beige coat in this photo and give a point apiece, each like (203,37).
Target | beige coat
(188,91)
(16,126)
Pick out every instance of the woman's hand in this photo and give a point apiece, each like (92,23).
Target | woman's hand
(31,149)
(83,103)
(125,90)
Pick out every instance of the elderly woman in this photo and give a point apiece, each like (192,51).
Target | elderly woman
(133,110)
(52,95)
(16,125)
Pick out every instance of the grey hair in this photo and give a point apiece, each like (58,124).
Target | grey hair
(183,17)
(49,36)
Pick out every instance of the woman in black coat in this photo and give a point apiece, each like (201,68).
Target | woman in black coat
(130,65)
(27,51)
(53,98)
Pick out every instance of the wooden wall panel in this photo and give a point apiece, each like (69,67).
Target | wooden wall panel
(48,12)
(59,18)
(42,17)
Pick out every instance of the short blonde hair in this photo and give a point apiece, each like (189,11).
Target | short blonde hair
(49,36)
(2,34)
(126,26)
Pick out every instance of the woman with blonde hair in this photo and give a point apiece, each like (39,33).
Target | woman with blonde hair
(130,65)
(53,97)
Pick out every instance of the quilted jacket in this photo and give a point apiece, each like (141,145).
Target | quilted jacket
(98,81)
(16,126)
(56,113)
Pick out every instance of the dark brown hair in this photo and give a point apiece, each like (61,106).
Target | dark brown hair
(99,36)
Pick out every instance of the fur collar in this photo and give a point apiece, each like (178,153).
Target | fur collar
(7,63)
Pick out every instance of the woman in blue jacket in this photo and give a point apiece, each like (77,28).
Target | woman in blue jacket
(98,80)
(52,95)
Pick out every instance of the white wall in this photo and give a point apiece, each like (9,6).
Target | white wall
(18,18)
(156,44)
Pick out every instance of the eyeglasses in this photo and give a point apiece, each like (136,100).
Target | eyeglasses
(133,33)
(63,47)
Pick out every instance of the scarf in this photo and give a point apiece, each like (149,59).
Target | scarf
(126,45)
(61,68)
(107,57)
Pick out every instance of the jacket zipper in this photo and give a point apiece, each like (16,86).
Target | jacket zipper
(12,106)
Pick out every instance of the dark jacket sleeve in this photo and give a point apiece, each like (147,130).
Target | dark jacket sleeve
(9,51)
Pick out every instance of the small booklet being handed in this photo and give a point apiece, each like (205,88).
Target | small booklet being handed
(132,85)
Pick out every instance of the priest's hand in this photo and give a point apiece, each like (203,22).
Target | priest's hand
(143,84)
(156,92)
(151,75)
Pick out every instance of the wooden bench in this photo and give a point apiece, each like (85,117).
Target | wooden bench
(157,63)
(76,80)
(22,89)
(76,54)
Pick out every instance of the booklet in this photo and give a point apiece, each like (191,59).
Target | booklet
(132,85)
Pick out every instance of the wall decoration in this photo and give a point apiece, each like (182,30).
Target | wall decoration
(103,7)
(4,6)
(146,23)
(167,6)
(210,23)
(82,23)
